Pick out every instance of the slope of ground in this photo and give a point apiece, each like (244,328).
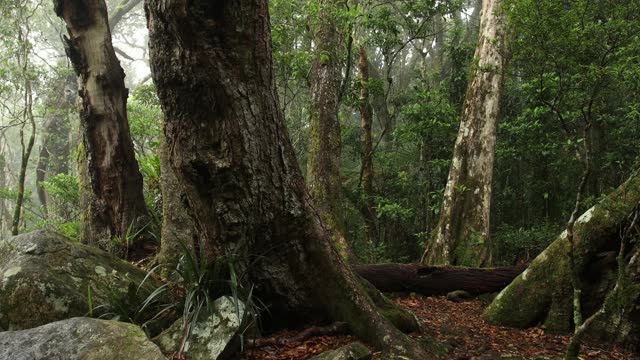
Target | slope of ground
(459,327)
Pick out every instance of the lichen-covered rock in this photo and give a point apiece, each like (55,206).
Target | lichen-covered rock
(45,278)
(79,338)
(215,335)
(352,351)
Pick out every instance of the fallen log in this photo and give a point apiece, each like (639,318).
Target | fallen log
(436,280)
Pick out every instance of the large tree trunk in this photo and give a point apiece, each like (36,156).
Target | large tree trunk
(543,292)
(462,236)
(212,65)
(325,146)
(111,189)
(435,280)
(366,122)
(178,228)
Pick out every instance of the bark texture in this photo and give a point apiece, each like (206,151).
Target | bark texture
(435,280)
(178,228)
(366,121)
(111,184)
(325,146)
(212,65)
(462,236)
(543,292)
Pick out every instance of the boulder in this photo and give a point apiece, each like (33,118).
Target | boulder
(79,338)
(44,278)
(214,336)
(352,351)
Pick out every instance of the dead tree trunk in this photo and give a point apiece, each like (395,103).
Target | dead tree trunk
(111,189)
(435,280)
(462,236)
(543,292)
(213,68)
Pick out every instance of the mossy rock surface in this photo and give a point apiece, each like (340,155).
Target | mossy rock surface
(45,278)
(79,338)
(353,351)
(214,336)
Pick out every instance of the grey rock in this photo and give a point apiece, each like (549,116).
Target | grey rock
(352,351)
(79,338)
(45,278)
(214,336)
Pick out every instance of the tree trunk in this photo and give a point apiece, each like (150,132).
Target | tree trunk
(366,121)
(26,149)
(212,65)
(54,151)
(178,228)
(462,236)
(111,184)
(434,280)
(543,292)
(325,184)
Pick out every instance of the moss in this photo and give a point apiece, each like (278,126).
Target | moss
(543,293)
(400,318)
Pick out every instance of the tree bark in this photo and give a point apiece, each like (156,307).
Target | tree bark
(178,231)
(111,184)
(543,292)
(323,175)
(435,280)
(366,121)
(213,68)
(462,236)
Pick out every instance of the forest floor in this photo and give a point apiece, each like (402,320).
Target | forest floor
(458,326)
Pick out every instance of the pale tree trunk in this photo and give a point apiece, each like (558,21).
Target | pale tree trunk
(544,293)
(462,236)
(366,121)
(111,184)
(213,68)
(323,174)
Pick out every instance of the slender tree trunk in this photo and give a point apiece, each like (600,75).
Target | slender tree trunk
(213,68)
(27,119)
(462,236)
(111,189)
(54,152)
(325,147)
(366,121)
(26,154)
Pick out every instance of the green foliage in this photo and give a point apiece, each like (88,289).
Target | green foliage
(64,204)
(199,284)
(519,245)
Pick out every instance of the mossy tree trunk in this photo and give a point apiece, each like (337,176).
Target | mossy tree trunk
(111,184)
(462,236)
(213,68)
(325,144)
(543,292)
(366,172)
